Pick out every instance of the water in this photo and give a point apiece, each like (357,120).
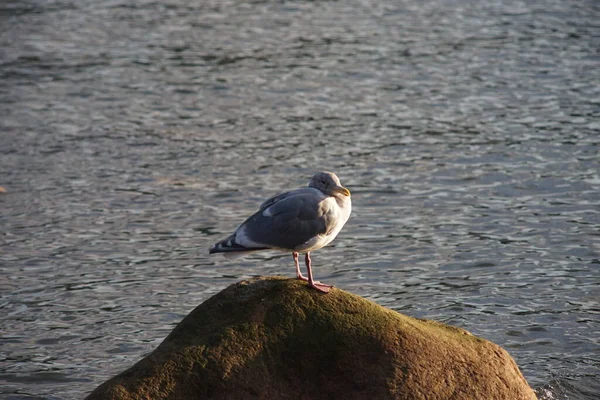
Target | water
(136,134)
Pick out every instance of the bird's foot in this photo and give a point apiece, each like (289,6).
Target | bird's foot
(321,287)
(302,278)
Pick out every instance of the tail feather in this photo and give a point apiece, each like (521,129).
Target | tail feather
(231,248)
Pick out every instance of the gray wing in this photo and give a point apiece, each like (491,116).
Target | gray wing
(290,219)
(281,196)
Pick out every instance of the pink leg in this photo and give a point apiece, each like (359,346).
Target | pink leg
(298,273)
(321,287)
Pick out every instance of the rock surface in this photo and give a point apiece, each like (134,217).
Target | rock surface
(273,338)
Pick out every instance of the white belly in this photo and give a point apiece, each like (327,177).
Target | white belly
(315,243)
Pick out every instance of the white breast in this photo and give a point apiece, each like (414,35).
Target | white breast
(342,216)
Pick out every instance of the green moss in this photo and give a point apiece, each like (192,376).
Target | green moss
(276,338)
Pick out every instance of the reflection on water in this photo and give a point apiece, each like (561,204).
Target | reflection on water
(134,136)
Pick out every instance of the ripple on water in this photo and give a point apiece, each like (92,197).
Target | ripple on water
(135,135)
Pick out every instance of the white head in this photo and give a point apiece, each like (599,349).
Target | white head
(328,183)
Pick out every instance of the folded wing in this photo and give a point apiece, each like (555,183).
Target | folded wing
(289,220)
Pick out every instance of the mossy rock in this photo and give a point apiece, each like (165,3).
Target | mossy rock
(274,338)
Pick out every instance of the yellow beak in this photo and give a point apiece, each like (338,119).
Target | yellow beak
(341,190)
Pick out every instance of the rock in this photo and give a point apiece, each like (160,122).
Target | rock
(273,338)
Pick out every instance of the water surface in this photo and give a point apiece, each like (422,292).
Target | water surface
(135,135)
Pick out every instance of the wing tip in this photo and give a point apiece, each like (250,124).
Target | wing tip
(229,245)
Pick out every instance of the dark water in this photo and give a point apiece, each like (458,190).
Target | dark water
(136,134)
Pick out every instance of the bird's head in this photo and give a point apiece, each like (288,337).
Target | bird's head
(328,183)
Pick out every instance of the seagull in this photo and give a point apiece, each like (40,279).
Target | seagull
(298,221)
